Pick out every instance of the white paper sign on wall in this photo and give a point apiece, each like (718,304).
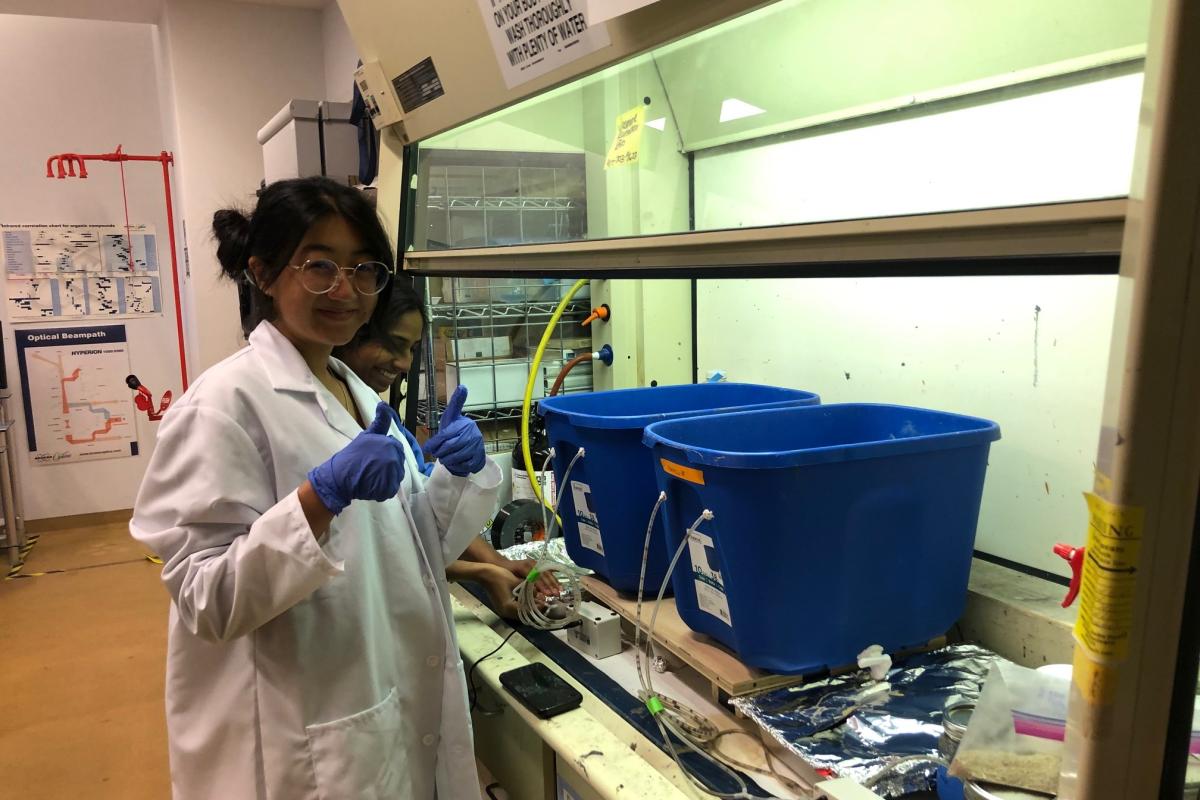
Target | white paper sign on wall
(533,37)
(602,10)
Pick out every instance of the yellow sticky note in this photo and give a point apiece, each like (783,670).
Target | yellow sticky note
(1109,580)
(627,141)
(1097,682)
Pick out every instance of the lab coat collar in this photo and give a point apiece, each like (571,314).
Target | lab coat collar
(285,367)
(364,397)
(288,372)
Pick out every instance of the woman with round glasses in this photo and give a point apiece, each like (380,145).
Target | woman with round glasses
(311,650)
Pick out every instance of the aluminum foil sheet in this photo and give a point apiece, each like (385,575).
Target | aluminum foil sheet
(853,727)
(556,549)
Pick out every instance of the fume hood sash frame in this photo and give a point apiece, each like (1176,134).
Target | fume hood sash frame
(1060,238)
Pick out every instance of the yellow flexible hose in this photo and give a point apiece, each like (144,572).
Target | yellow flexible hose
(526,453)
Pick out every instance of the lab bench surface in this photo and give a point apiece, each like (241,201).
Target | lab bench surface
(592,752)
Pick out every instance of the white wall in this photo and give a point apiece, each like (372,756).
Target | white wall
(1027,352)
(199,84)
(233,66)
(99,89)
(341,55)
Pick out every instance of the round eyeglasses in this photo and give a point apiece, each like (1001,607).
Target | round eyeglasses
(321,276)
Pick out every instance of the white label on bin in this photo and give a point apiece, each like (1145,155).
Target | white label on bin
(584,509)
(589,537)
(710,588)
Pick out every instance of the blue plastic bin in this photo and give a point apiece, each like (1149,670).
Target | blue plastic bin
(613,483)
(835,527)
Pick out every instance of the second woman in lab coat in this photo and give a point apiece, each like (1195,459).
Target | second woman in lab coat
(381,353)
(311,650)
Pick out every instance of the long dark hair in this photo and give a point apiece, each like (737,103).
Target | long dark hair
(272,232)
(386,316)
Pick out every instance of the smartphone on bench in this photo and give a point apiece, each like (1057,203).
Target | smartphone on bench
(540,690)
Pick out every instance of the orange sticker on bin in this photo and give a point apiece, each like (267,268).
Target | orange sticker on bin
(684,473)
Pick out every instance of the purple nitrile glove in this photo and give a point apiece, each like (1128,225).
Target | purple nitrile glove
(458,444)
(425,469)
(371,467)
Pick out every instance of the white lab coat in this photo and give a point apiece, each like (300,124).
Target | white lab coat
(298,669)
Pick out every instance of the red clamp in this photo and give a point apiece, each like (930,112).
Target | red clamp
(1073,556)
(144,400)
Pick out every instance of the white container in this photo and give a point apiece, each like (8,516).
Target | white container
(291,142)
(341,142)
(493,384)
(599,632)
(482,347)
(310,137)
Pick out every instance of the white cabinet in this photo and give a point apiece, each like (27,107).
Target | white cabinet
(310,137)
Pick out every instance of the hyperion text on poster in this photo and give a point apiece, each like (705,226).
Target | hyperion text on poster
(77,405)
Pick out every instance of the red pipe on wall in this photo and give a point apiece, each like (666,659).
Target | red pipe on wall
(164,158)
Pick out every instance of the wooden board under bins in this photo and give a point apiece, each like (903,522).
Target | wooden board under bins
(720,667)
(715,663)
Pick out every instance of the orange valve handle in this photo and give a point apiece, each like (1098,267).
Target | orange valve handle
(602,313)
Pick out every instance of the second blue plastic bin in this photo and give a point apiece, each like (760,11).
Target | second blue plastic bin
(835,527)
(606,505)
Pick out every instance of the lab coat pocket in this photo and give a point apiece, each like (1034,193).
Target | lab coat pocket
(363,755)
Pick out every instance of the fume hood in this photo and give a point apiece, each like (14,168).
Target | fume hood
(846,140)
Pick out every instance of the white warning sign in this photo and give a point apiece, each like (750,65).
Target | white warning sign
(533,37)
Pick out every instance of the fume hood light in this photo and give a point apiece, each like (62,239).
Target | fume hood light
(733,108)
(659,124)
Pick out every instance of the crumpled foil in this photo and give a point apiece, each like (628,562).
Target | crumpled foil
(857,728)
(556,549)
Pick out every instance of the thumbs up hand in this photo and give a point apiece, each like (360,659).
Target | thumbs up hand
(458,444)
(371,467)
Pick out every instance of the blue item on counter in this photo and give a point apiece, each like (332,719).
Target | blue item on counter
(612,489)
(836,527)
(948,788)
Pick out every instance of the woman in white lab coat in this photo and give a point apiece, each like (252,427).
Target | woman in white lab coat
(311,650)
(381,353)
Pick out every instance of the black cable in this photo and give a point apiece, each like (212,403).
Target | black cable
(470,683)
(489,788)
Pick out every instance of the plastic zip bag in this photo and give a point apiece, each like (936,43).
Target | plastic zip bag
(1015,737)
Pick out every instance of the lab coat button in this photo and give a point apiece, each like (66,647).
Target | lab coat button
(428,739)
(433,661)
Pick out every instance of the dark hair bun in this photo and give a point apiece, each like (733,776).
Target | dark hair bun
(232,231)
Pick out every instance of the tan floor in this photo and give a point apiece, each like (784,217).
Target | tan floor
(81,671)
(82,654)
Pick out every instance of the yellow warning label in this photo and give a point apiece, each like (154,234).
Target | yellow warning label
(627,143)
(684,473)
(1097,682)
(1109,579)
